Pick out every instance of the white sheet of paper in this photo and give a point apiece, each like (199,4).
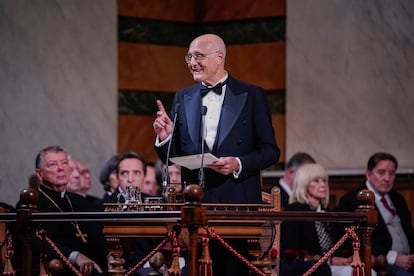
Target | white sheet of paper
(193,161)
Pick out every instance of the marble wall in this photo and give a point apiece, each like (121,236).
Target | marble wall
(350,80)
(58,85)
(349,77)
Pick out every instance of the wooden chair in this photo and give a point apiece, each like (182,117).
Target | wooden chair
(270,238)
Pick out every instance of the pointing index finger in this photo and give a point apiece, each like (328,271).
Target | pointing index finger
(161,107)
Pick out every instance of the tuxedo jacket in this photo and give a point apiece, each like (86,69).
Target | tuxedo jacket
(245,131)
(381,238)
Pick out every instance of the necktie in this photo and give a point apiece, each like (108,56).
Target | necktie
(216,89)
(388,207)
(324,236)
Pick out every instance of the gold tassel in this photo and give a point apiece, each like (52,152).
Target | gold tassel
(8,266)
(357,264)
(205,267)
(175,270)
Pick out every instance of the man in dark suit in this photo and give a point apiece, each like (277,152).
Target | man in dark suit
(286,182)
(83,244)
(236,126)
(394,235)
(130,171)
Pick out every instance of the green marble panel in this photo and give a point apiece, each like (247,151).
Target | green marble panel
(149,31)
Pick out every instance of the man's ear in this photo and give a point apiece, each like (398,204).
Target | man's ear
(39,175)
(368,174)
(220,57)
(291,172)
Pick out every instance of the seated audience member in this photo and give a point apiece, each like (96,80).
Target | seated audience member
(86,182)
(74,182)
(393,237)
(77,184)
(311,194)
(286,182)
(83,244)
(108,177)
(174,177)
(130,172)
(150,185)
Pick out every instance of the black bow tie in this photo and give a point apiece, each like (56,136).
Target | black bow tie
(216,89)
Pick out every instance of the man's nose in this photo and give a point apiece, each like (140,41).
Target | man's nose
(193,61)
(387,176)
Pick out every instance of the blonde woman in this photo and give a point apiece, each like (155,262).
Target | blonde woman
(308,241)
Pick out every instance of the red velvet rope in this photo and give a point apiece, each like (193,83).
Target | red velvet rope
(213,234)
(350,232)
(41,234)
(171,233)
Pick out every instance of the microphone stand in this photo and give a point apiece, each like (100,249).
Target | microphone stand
(201,172)
(166,178)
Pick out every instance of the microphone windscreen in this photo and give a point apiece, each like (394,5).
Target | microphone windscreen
(203,110)
(176,108)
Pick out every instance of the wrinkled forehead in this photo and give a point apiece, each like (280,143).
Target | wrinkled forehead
(54,156)
(130,164)
(386,165)
(200,45)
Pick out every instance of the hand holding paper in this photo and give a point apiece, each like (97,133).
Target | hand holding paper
(225,165)
(193,162)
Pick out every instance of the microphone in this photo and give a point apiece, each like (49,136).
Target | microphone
(201,172)
(166,178)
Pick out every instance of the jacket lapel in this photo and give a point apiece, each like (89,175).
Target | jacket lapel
(230,112)
(192,106)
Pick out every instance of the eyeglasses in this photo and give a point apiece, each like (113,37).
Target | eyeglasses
(197,56)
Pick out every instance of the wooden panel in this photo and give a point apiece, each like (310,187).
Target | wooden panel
(227,229)
(162,68)
(152,67)
(135,133)
(213,10)
(174,10)
(262,64)
(244,9)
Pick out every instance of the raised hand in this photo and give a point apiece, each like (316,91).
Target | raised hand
(162,124)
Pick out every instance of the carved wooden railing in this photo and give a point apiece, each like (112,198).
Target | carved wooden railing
(193,215)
